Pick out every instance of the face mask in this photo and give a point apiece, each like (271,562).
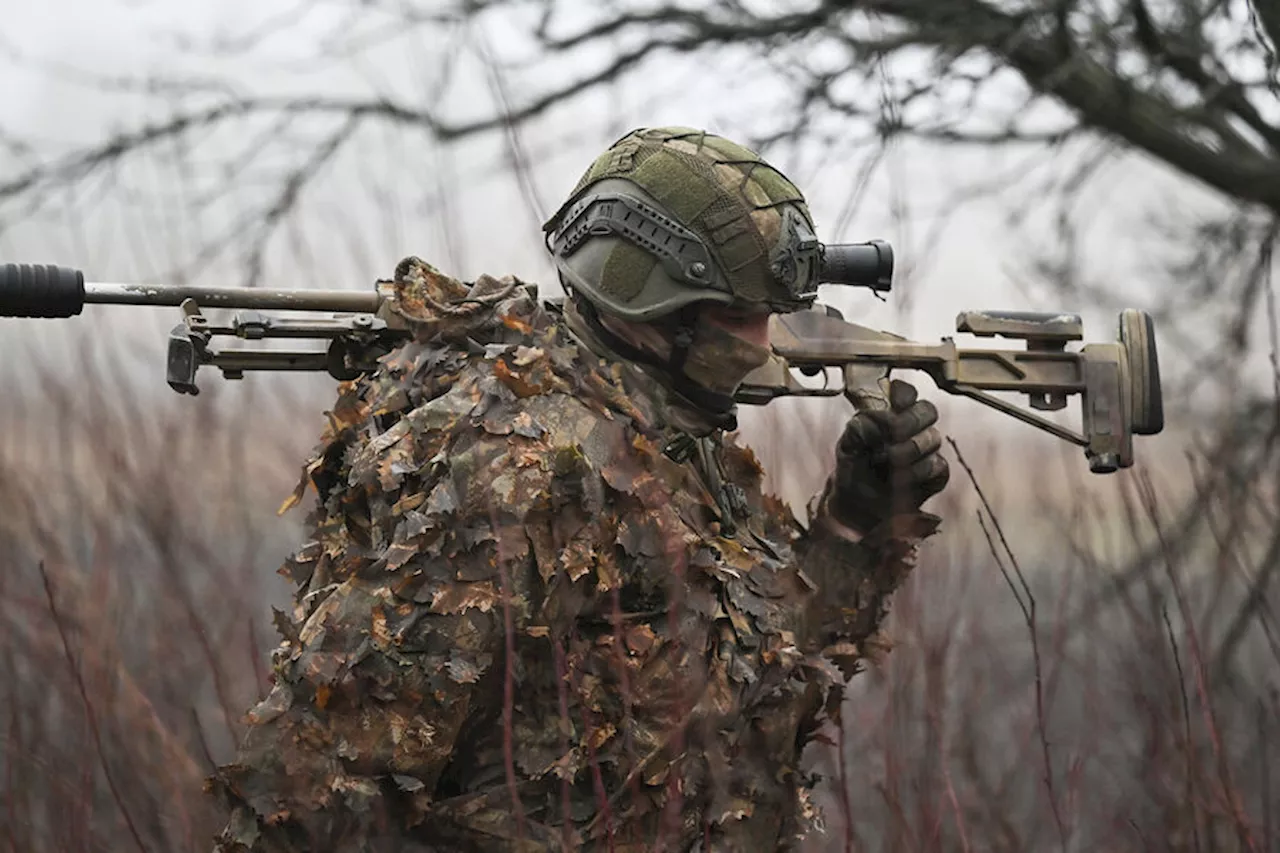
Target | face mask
(719,361)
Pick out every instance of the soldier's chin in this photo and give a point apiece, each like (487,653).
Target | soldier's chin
(718,383)
(725,373)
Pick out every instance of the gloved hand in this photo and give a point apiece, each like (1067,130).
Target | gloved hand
(887,464)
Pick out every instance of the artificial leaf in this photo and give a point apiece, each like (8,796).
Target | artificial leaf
(461,597)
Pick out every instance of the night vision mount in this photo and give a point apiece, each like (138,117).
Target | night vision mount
(1118,382)
(801,265)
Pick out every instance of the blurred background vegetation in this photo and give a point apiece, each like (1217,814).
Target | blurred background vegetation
(1082,663)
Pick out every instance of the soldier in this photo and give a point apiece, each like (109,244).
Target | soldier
(546,605)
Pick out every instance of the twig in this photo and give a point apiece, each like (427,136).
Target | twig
(255,659)
(1264,750)
(1273,316)
(518,158)
(1017,596)
(294,182)
(88,707)
(1146,845)
(566,726)
(1029,613)
(955,806)
(508,696)
(204,743)
(1146,492)
(1186,726)
(200,631)
(842,775)
(11,797)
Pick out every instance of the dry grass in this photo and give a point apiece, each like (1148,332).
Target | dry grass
(1060,711)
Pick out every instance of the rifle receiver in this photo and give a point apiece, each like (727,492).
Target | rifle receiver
(28,290)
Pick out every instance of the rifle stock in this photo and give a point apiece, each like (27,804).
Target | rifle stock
(1119,382)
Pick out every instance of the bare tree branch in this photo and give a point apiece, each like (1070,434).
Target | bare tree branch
(1103,100)
(287,198)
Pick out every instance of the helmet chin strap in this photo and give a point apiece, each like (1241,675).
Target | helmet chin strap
(721,408)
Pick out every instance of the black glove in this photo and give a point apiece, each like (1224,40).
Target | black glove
(887,463)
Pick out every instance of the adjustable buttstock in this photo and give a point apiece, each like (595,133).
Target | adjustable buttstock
(1119,383)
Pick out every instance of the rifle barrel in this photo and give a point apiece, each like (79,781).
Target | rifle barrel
(232,297)
(28,290)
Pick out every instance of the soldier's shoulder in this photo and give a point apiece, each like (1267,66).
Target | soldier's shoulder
(491,388)
(517,364)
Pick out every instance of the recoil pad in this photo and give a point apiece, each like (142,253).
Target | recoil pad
(31,290)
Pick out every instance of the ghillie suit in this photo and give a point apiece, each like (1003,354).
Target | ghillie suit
(518,625)
(537,615)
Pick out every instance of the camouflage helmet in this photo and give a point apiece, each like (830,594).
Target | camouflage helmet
(672,216)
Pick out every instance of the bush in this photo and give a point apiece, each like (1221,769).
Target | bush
(140,536)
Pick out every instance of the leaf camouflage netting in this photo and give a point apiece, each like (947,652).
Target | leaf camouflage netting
(517,623)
